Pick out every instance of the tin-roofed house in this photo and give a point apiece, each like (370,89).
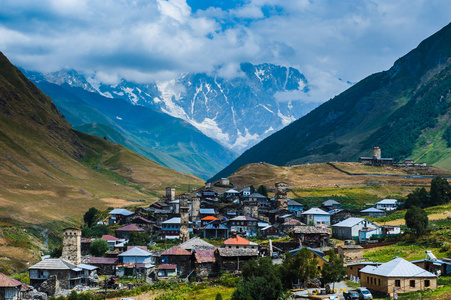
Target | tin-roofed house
(295,207)
(373,212)
(399,275)
(315,216)
(387,204)
(244,225)
(124,232)
(9,288)
(135,261)
(350,229)
(68,275)
(196,243)
(106,265)
(232,260)
(330,205)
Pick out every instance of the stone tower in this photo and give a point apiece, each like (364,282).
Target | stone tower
(281,195)
(170,194)
(376,152)
(72,245)
(184,220)
(195,209)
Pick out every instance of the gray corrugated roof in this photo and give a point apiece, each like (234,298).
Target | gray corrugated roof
(294,203)
(349,222)
(196,243)
(209,211)
(388,201)
(373,210)
(330,202)
(397,267)
(135,252)
(315,211)
(120,211)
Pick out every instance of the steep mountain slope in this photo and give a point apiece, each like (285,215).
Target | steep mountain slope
(50,172)
(237,112)
(167,140)
(404,110)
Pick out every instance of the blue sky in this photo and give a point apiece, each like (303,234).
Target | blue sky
(156,40)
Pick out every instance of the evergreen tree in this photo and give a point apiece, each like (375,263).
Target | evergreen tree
(90,216)
(440,191)
(417,220)
(334,271)
(262,190)
(99,247)
(300,267)
(419,197)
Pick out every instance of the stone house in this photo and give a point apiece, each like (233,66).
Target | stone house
(232,260)
(238,242)
(106,265)
(125,231)
(9,288)
(269,231)
(311,236)
(350,253)
(287,226)
(117,215)
(68,275)
(243,224)
(399,275)
(350,228)
(315,216)
(215,229)
(178,256)
(204,263)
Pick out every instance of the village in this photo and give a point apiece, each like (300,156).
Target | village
(205,233)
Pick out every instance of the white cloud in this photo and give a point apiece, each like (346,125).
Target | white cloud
(156,40)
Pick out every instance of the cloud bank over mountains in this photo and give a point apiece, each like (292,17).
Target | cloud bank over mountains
(146,41)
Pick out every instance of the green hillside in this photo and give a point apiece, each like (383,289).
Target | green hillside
(404,110)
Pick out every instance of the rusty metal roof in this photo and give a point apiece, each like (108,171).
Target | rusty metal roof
(103,260)
(6,281)
(131,227)
(176,250)
(167,267)
(205,256)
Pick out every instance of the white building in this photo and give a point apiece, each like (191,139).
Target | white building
(387,204)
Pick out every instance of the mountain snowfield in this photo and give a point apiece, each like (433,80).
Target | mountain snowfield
(237,112)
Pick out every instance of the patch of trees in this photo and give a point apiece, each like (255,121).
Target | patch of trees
(439,194)
(260,280)
(99,247)
(417,220)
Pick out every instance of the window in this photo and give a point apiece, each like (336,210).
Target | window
(412,283)
(371,280)
(367,279)
(427,283)
(379,281)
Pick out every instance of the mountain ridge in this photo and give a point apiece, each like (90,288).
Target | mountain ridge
(371,113)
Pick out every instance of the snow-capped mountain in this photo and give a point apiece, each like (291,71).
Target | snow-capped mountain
(237,112)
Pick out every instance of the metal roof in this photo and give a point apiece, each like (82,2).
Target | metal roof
(397,267)
(349,222)
(120,211)
(87,267)
(167,267)
(207,211)
(225,252)
(176,250)
(310,230)
(6,281)
(388,201)
(205,255)
(315,211)
(135,252)
(372,210)
(236,240)
(131,227)
(294,203)
(243,218)
(256,195)
(103,260)
(330,202)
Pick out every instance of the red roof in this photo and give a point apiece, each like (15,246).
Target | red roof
(167,267)
(110,238)
(144,220)
(209,218)
(6,281)
(176,250)
(85,240)
(237,240)
(103,260)
(131,227)
(205,256)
